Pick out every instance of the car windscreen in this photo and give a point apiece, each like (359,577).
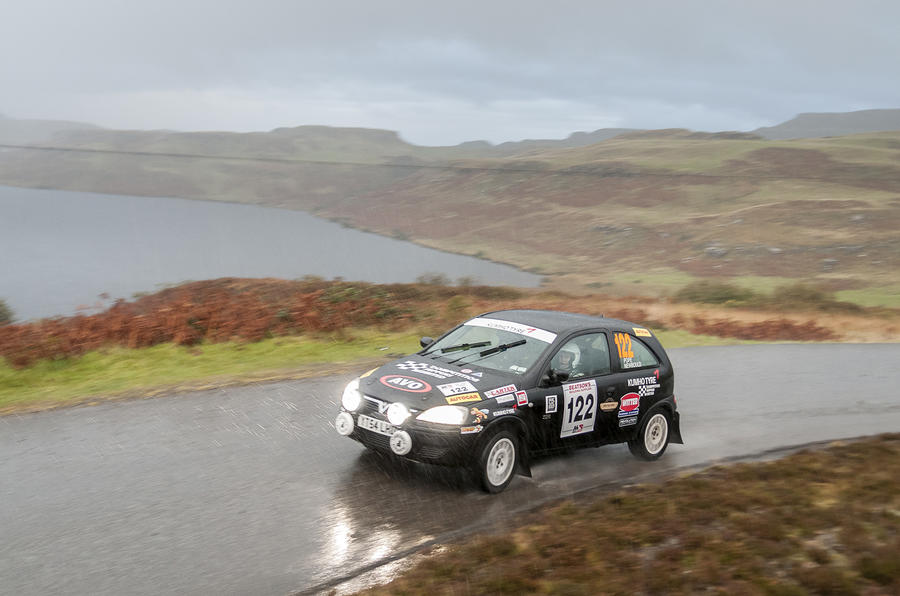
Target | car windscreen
(495,349)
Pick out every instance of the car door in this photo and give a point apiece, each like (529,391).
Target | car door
(576,412)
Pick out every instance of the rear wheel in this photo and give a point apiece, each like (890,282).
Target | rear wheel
(497,461)
(653,438)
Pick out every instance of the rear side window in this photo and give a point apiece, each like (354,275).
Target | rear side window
(632,352)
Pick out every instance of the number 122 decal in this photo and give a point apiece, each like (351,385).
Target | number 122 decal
(579,408)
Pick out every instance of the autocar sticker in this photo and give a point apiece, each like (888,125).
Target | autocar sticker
(462,398)
(630,405)
(579,408)
(500,391)
(550,404)
(641,332)
(404,383)
(527,331)
(456,388)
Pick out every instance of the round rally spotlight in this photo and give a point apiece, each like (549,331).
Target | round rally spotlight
(344,424)
(401,442)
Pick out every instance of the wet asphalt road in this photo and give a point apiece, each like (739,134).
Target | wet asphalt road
(250,491)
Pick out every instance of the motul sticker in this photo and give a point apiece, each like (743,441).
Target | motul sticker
(630,403)
(403,383)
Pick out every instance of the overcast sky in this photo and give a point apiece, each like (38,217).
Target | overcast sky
(443,73)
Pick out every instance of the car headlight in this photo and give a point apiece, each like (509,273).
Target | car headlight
(352,397)
(444,415)
(397,414)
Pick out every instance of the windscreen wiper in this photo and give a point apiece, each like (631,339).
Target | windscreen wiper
(494,350)
(458,347)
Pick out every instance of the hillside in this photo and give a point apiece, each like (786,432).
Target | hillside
(641,212)
(806,126)
(21,132)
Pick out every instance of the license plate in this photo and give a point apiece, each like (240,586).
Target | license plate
(376,426)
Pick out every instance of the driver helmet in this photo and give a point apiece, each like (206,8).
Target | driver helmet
(568,356)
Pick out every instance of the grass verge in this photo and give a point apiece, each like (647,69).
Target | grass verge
(817,522)
(122,372)
(117,372)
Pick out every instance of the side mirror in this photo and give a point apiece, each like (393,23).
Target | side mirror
(426,341)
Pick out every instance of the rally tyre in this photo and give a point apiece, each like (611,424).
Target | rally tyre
(497,461)
(653,438)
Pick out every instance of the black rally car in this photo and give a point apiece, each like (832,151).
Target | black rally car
(508,384)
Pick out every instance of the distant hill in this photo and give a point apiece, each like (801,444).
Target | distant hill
(814,125)
(25,132)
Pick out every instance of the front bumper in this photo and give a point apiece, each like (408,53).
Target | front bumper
(431,443)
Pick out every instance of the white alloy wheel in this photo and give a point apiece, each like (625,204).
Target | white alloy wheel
(498,461)
(656,434)
(653,438)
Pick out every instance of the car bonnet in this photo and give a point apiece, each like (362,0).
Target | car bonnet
(421,383)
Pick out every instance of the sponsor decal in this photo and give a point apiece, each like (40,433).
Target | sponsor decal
(579,408)
(629,363)
(641,332)
(631,403)
(609,405)
(538,334)
(457,388)
(465,370)
(500,391)
(403,383)
(479,415)
(463,398)
(521,398)
(505,399)
(517,368)
(546,417)
(630,421)
(438,372)
(647,386)
(470,430)
(551,404)
(504,412)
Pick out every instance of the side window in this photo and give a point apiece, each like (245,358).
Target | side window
(632,352)
(584,356)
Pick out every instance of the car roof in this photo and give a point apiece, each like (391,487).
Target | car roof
(556,321)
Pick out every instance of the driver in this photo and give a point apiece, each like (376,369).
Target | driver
(566,359)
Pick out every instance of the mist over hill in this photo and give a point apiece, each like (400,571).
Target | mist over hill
(23,132)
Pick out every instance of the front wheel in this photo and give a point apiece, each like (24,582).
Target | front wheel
(497,461)
(653,439)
